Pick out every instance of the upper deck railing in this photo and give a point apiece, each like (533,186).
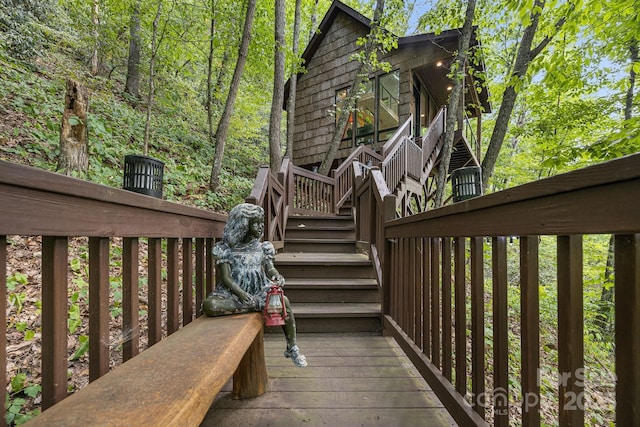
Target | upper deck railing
(113,227)
(424,263)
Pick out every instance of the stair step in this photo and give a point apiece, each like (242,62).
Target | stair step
(320,221)
(319,245)
(321,258)
(331,284)
(321,290)
(328,317)
(324,265)
(321,232)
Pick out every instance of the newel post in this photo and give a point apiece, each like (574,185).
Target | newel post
(384,252)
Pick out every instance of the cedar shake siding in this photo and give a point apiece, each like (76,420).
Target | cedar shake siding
(421,62)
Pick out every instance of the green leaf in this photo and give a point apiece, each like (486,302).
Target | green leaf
(74,120)
(82,350)
(17,382)
(33,390)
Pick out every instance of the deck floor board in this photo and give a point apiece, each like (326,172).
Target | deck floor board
(351,380)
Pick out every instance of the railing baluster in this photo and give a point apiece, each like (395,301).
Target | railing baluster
(500,333)
(187,281)
(570,331)
(426,298)
(477,326)
(200,292)
(627,301)
(173,298)
(3,315)
(55,261)
(460,314)
(530,330)
(98,307)
(411,297)
(417,302)
(210,265)
(130,301)
(446,308)
(155,291)
(435,301)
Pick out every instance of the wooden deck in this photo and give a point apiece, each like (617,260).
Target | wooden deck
(351,380)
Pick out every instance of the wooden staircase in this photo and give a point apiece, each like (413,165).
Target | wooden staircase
(331,286)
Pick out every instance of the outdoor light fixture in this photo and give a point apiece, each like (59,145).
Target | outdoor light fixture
(275,311)
(439,64)
(449,87)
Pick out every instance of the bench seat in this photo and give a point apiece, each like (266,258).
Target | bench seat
(174,382)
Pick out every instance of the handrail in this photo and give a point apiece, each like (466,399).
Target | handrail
(54,208)
(426,281)
(405,130)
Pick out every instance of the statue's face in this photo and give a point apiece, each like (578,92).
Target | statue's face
(256,228)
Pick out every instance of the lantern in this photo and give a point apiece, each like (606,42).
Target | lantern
(275,310)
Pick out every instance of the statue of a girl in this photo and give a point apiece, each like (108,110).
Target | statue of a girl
(247,272)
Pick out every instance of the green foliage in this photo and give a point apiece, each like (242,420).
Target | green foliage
(16,403)
(23,29)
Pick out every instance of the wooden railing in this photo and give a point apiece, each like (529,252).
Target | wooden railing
(54,209)
(270,192)
(298,191)
(373,206)
(431,143)
(402,157)
(425,289)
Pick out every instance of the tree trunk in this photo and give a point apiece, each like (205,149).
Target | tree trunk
(314,20)
(454,108)
(223,124)
(275,133)
(74,135)
(132,85)
(633,58)
(349,104)
(96,38)
(293,83)
(603,319)
(210,95)
(154,49)
(524,56)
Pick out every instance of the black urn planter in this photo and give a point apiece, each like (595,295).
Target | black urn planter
(143,174)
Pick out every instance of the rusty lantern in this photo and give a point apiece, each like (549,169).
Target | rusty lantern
(275,310)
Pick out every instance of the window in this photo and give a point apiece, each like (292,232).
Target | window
(388,99)
(376,116)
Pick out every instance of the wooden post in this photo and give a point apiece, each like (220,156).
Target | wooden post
(250,378)
(74,132)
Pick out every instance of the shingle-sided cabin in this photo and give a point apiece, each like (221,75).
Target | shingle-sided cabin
(416,87)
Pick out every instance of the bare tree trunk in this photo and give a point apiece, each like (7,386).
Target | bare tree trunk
(154,50)
(96,38)
(454,109)
(275,133)
(314,20)
(524,56)
(349,104)
(209,105)
(223,125)
(633,58)
(74,134)
(132,85)
(293,82)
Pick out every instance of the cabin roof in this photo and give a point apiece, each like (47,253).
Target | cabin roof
(426,39)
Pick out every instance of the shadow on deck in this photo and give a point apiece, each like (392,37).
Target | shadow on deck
(351,380)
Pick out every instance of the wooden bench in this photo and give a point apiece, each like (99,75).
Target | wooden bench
(174,382)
